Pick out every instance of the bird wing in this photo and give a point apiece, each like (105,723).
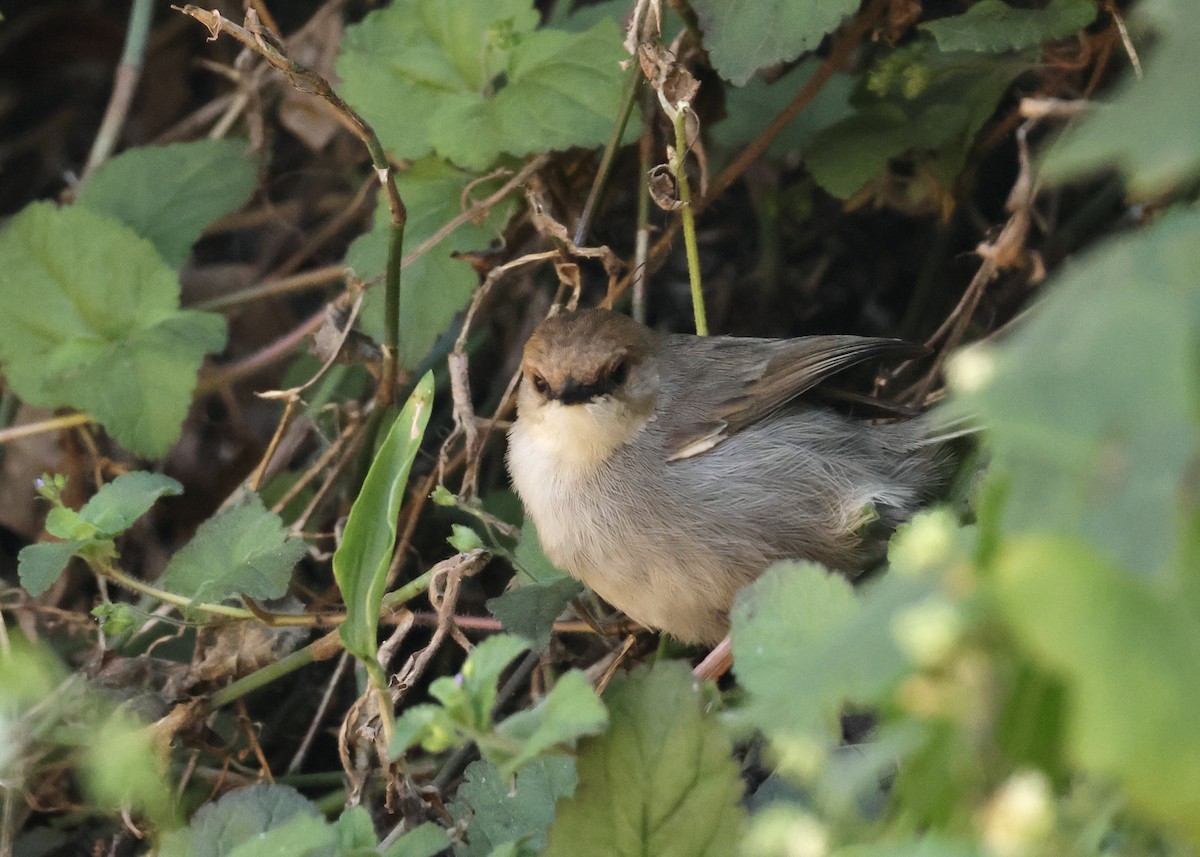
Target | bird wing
(730,383)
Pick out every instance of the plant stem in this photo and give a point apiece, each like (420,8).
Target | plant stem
(262,677)
(632,85)
(679,169)
(125,82)
(320,649)
(116,575)
(407,592)
(41,427)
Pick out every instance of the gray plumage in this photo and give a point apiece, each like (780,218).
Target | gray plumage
(667,472)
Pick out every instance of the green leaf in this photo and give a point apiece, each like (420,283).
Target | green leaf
(993,25)
(436,286)
(361,561)
(1091,403)
(28,673)
(750,108)
(920,103)
(562,90)
(355,829)
(544,590)
(480,678)
(39,565)
(570,711)
(219,827)
(661,781)
(117,618)
(502,810)
(1166,100)
(743,36)
(464,539)
(804,644)
(532,561)
(242,550)
(531,609)
(1127,652)
(427,725)
(120,769)
(169,194)
(481,78)
(424,840)
(928,845)
(119,503)
(299,836)
(105,334)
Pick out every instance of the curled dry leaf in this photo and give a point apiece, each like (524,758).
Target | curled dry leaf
(663,188)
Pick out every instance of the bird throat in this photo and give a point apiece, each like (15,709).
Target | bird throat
(585,434)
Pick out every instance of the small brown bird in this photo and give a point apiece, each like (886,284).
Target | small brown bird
(668,471)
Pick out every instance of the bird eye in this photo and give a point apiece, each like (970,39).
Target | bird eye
(619,373)
(539,384)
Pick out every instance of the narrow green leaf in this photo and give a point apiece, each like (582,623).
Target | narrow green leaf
(660,781)
(502,810)
(993,25)
(105,334)
(361,561)
(119,503)
(242,550)
(1127,652)
(169,194)
(39,565)
(743,36)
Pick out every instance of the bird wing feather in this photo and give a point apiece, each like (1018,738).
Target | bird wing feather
(756,378)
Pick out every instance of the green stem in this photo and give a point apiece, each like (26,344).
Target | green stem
(269,673)
(115,574)
(391,310)
(632,85)
(679,168)
(125,82)
(408,591)
(325,645)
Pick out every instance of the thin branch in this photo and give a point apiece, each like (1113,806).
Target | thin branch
(45,426)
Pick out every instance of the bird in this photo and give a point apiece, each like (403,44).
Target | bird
(668,471)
